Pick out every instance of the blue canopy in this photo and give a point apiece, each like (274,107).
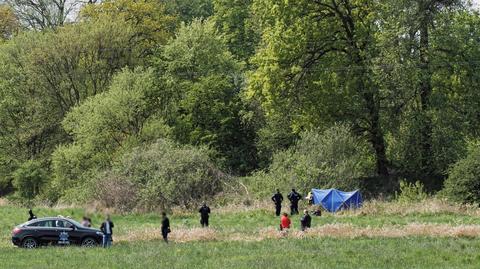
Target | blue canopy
(334,200)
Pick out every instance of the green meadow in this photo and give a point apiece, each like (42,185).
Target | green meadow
(138,245)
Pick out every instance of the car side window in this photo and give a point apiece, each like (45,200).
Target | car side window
(63,224)
(44,223)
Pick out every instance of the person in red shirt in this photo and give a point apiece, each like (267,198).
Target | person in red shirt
(285,222)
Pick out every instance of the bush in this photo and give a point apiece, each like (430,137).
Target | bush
(463,182)
(164,174)
(411,192)
(116,192)
(332,159)
(29,178)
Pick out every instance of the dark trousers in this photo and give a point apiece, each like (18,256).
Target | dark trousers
(165,235)
(278,209)
(294,208)
(204,221)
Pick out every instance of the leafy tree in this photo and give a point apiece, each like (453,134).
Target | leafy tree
(463,184)
(314,67)
(43,75)
(187,11)
(204,83)
(29,178)
(234,20)
(106,125)
(148,19)
(335,158)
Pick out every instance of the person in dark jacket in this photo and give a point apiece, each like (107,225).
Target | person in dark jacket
(306,220)
(204,214)
(107,230)
(277,199)
(32,216)
(294,197)
(165,227)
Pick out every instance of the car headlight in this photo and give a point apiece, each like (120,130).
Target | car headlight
(99,233)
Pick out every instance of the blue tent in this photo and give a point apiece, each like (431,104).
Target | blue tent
(334,200)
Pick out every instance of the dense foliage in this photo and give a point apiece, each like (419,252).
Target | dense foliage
(307,93)
(334,158)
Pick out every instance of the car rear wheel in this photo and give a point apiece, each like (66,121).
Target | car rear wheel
(89,242)
(29,242)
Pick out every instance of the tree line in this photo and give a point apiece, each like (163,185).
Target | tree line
(143,98)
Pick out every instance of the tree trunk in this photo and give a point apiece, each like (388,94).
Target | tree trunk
(425,92)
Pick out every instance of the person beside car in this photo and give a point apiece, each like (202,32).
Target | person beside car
(107,230)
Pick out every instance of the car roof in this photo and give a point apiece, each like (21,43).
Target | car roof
(46,218)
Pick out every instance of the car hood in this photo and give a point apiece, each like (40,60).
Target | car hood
(88,229)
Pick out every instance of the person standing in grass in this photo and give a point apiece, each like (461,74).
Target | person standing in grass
(277,198)
(165,227)
(204,214)
(306,220)
(107,230)
(285,222)
(294,197)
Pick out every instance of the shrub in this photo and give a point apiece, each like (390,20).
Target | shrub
(116,192)
(332,159)
(166,174)
(463,182)
(411,192)
(29,178)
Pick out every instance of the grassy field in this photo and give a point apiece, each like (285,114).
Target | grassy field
(380,235)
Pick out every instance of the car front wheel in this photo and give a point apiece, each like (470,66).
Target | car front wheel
(89,242)
(29,242)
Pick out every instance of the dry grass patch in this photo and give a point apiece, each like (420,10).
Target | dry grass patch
(183,235)
(178,235)
(429,206)
(350,231)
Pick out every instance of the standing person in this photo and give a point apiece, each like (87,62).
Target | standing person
(294,197)
(204,214)
(309,198)
(165,227)
(107,229)
(277,198)
(285,222)
(32,216)
(306,220)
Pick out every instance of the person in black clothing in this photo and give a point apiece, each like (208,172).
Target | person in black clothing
(204,214)
(305,221)
(294,197)
(32,216)
(107,230)
(165,227)
(277,198)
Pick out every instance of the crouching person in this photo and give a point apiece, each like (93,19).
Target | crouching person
(107,230)
(306,220)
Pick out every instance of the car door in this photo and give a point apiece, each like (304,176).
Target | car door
(45,231)
(69,233)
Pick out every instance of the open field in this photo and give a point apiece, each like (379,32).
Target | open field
(380,235)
